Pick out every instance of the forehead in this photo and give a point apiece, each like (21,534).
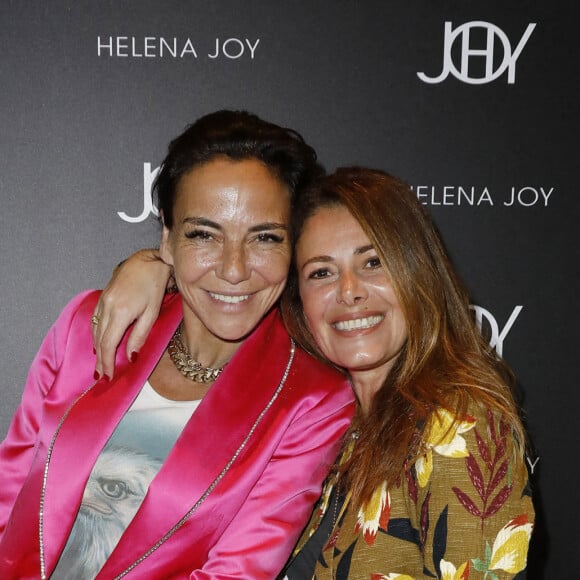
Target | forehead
(330,231)
(233,188)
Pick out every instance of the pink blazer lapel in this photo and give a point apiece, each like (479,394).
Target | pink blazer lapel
(208,443)
(87,427)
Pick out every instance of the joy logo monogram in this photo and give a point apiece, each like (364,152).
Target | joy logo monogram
(487,52)
(148,206)
(496,336)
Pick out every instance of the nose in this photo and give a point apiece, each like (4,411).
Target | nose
(234,267)
(351,289)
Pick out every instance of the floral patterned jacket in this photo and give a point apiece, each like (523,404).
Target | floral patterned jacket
(462,511)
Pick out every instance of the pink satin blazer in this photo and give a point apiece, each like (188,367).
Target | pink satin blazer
(235,490)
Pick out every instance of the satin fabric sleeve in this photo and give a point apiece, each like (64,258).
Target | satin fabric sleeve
(18,448)
(260,538)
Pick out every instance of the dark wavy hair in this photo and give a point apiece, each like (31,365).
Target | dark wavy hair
(237,135)
(445,361)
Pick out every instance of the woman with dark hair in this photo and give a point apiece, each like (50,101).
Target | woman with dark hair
(203,455)
(431,481)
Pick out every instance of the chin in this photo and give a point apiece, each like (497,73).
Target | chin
(358,363)
(234,333)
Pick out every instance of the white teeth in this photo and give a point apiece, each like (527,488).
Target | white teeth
(229,299)
(358,323)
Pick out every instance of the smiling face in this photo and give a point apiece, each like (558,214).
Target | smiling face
(349,302)
(228,246)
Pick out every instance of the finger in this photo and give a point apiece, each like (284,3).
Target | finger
(140,332)
(94,321)
(113,322)
(98,321)
(109,340)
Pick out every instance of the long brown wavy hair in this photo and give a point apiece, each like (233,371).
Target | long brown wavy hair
(445,361)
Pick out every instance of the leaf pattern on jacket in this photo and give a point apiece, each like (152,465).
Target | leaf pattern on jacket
(463,511)
(489,502)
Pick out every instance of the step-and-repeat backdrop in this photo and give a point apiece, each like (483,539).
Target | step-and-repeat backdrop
(473,103)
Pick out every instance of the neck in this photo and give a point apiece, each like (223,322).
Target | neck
(365,383)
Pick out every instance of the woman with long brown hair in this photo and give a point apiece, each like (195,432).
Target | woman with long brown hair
(432,480)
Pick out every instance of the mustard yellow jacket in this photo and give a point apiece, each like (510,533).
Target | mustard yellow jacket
(464,510)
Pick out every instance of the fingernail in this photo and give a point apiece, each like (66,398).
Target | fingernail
(106,378)
(97,375)
(134,356)
(94,350)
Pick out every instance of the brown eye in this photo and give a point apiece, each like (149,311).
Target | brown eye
(198,235)
(270,238)
(318,274)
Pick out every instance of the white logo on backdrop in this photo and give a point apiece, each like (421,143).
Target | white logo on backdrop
(497,336)
(467,53)
(148,205)
(443,196)
(173,47)
(476,196)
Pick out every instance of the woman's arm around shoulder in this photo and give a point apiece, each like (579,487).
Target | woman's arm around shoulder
(134,294)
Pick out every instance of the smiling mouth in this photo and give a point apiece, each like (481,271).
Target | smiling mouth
(229,299)
(358,323)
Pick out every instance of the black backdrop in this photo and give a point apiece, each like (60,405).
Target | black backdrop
(93,91)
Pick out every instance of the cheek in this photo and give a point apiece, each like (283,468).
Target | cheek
(192,265)
(400,327)
(391,299)
(313,312)
(273,268)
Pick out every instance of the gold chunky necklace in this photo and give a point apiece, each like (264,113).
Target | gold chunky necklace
(188,367)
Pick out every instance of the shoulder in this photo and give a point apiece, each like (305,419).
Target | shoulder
(305,368)
(76,315)
(314,377)
(69,337)
(82,303)
(316,369)
(309,382)
(478,419)
(480,440)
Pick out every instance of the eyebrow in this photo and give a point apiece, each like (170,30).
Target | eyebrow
(364,249)
(317,259)
(268,226)
(201,221)
(357,252)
